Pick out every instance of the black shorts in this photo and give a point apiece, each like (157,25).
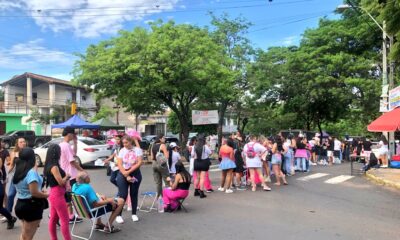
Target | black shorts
(100,212)
(29,210)
(202,165)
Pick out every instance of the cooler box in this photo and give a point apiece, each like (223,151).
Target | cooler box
(395,161)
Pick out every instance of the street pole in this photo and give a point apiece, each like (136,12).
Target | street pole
(392,143)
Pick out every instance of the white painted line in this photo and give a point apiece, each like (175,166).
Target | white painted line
(214,170)
(313,176)
(339,179)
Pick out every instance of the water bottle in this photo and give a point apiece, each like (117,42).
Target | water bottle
(160,205)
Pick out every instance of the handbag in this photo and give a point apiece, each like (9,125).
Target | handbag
(43,202)
(160,158)
(108,170)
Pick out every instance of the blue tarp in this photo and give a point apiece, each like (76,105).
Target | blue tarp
(76,122)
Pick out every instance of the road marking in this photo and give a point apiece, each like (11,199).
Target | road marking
(313,176)
(339,179)
(214,170)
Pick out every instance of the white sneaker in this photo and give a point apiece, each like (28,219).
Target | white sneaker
(119,220)
(267,179)
(135,218)
(228,191)
(3,219)
(129,209)
(221,189)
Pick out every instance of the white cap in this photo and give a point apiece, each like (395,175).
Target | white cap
(301,135)
(173,145)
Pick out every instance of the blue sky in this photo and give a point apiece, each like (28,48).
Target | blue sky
(40,36)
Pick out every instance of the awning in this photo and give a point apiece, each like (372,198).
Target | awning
(76,122)
(388,122)
(106,124)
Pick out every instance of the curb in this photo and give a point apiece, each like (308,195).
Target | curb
(382,181)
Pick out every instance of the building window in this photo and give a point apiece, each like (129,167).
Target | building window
(74,97)
(19,97)
(83,98)
(34,98)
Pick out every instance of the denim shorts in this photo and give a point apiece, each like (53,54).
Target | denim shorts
(276,159)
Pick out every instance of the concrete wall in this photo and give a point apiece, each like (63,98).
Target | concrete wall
(13,121)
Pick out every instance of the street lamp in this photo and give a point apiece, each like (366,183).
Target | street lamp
(385,87)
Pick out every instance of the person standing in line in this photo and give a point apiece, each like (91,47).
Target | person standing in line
(227,154)
(337,150)
(160,170)
(301,153)
(287,146)
(19,145)
(130,176)
(239,170)
(276,161)
(201,153)
(331,149)
(69,165)
(190,146)
(30,203)
(5,156)
(174,157)
(112,159)
(56,180)
(3,211)
(266,158)
(252,151)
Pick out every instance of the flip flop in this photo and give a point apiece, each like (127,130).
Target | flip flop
(112,230)
(100,226)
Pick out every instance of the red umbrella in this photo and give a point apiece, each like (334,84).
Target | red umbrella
(388,122)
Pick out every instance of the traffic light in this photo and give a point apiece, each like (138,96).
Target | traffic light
(73,108)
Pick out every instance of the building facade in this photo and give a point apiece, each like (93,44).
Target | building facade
(27,91)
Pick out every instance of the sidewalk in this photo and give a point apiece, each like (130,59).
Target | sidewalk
(386,176)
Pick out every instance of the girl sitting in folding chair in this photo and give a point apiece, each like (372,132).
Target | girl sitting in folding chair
(178,190)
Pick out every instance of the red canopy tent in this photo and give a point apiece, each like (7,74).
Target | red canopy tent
(388,122)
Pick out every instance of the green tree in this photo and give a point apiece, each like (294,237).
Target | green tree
(42,119)
(230,34)
(104,112)
(170,66)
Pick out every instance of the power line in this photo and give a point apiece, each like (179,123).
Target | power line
(128,10)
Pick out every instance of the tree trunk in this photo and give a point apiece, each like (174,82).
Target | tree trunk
(136,121)
(221,115)
(184,134)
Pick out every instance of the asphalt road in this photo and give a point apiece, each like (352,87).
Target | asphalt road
(326,203)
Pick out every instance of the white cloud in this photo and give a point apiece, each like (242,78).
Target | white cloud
(289,41)
(29,55)
(88,18)
(62,76)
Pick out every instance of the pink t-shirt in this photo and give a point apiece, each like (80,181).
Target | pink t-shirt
(67,156)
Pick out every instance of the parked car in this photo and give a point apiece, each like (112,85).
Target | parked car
(32,140)
(89,150)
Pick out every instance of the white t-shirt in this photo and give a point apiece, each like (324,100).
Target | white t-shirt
(129,156)
(258,148)
(205,154)
(175,158)
(337,145)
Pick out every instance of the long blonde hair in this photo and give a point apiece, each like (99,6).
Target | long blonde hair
(16,148)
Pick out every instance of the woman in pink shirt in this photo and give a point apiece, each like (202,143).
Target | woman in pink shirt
(226,153)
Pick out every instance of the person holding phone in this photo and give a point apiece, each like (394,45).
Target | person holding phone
(57,180)
(70,165)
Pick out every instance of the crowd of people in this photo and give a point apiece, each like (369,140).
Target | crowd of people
(244,161)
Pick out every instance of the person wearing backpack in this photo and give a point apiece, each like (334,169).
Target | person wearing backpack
(160,155)
(252,152)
